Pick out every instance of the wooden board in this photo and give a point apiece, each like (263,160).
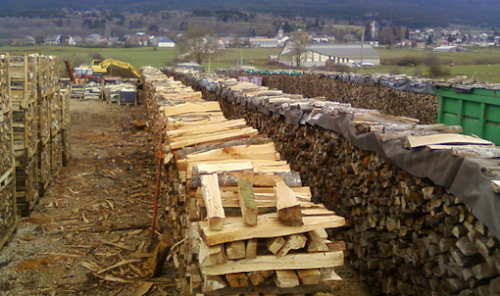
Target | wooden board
(271,262)
(191,108)
(267,226)
(414,142)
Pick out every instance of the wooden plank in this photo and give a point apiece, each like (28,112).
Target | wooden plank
(259,165)
(190,108)
(289,212)
(267,226)
(248,206)
(272,262)
(215,137)
(213,202)
(217,168)
(286,278)
(414,142)
(291,179)
(200,130)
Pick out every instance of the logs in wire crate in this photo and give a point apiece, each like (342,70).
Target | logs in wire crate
(406,235)
(32,84)
(250,225)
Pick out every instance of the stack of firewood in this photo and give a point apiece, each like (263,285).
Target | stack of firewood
(250,225)
(406,234)
(386,100)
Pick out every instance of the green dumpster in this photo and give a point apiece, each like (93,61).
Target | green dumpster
(477,110)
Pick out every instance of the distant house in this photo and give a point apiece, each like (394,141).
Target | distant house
(52,40)
(263,42)
(94,39)
(77,39)
(318,55)
(28,40)
(319,39)
(165,43)
(113,40)
(448,48)
(420,45)
(67,40)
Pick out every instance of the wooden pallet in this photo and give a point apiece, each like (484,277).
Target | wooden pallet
(8,208)
(27,183)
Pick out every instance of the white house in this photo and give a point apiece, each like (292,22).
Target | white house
(263,42)
(166,43)
(318,55)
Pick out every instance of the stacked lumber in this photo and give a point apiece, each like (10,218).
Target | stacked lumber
(406,235)
(250,226)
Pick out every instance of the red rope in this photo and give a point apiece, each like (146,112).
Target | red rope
(157,188)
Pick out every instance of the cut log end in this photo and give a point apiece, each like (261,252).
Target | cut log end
(291,216)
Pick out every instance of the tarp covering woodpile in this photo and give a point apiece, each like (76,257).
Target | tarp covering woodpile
(243,220)
(421,201)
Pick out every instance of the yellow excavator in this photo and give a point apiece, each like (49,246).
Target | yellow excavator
(101,67)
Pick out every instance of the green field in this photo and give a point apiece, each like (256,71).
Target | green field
(137,56)
(147,56)
(482,64)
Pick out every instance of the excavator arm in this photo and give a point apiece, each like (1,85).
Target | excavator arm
(103,66)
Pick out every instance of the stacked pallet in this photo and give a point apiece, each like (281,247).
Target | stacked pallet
(32,81)
(8,217)
(65,121)
(23,73)
(250,225)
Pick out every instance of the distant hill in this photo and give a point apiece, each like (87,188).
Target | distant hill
(413,13)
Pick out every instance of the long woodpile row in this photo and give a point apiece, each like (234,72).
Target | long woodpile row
(31,118)
(245,223)
(406,234)
(386,100)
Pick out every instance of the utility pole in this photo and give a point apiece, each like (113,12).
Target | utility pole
(241,56)
(362,44)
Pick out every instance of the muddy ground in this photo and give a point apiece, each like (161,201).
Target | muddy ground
(90,234)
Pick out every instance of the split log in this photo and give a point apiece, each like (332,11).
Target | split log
(213,202)
(248,206)
(289,212)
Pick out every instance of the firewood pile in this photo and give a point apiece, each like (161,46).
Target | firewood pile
(28,123)
(386,100)
(406,235)
(244,222)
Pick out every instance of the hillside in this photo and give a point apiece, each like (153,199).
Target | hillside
(413,13)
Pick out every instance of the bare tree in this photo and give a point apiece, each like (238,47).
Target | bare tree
(197,45)
(299,46)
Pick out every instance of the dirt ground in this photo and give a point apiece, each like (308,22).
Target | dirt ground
(89,235)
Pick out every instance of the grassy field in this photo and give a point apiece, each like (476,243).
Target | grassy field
(137,56)
(464,63)
(147,56)
(482,64)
